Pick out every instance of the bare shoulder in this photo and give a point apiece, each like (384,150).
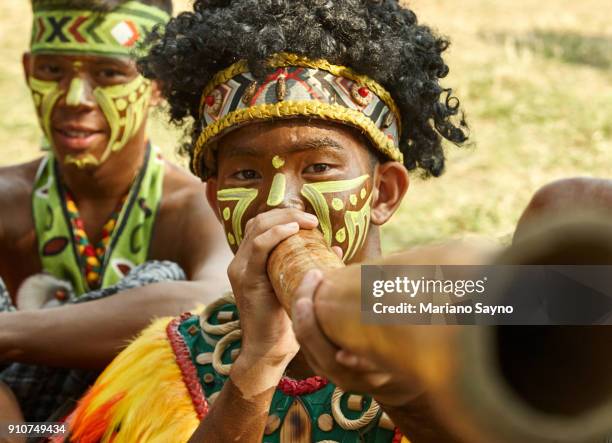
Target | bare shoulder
(569,192)
(17,180)
(16,184)
(187,230)
(568,196)
(184,192)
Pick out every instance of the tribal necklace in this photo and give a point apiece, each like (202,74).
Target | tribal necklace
(91,258)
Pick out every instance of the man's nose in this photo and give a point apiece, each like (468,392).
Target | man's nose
(79,93)
(285,193)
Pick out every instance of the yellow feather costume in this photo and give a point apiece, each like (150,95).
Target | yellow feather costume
(146,395)
(142,393)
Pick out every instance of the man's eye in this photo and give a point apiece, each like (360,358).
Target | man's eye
(110,74)
(247,174)
(317,168)
(50,69)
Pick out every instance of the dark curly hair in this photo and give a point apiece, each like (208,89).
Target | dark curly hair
(378,38)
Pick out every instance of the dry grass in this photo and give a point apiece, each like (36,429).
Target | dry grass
(534,78)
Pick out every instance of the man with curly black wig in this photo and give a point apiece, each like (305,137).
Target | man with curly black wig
(307,114)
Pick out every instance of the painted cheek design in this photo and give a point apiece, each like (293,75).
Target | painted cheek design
(277,190)
(355,222)
(45,95)
(124,107)
(243,198)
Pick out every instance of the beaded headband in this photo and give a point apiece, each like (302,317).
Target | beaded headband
(298,87)
(59,29)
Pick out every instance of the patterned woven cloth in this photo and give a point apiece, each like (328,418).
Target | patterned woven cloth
(5,299)
(45,393)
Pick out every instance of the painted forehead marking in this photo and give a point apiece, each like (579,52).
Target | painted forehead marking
(278,162)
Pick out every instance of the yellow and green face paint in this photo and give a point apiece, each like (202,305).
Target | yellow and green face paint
(277,191)
(278,162)
(342,207)
(344,218)
(124,106)
(72,31)
(279,183)
(45,95)
(76,92)
(243,197)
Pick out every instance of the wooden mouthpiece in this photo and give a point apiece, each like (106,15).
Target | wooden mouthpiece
(293,258)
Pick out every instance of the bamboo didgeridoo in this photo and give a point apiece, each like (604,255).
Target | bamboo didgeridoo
(486,384)
(293,258)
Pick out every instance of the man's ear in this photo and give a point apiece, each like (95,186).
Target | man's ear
(26,62)
(390,184)
(211,196)
(156,97)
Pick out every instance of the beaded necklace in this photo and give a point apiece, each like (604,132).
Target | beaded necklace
(91,257)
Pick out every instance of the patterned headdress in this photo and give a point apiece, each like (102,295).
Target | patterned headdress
(60,28)
(297,87)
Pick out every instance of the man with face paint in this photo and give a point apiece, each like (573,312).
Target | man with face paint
(308,115)
(102,212)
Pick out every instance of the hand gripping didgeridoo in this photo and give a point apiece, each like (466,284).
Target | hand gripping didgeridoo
(479,382)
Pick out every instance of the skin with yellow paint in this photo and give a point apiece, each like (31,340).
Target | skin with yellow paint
(231,239)
(124,120)
(76,92)
(243,198)
(277,190)
(277,162)
(337,204)
(83,104)
(315,194)
(45,95)
(341,235)
(311,180)
(356,223)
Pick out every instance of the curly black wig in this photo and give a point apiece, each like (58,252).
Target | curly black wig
(378,38)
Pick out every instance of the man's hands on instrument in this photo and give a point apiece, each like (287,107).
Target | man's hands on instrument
(267,331)
(353,373)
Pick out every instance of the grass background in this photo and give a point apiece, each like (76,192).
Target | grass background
(535,80)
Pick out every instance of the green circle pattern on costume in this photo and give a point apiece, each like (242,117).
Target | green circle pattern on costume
(317,403)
